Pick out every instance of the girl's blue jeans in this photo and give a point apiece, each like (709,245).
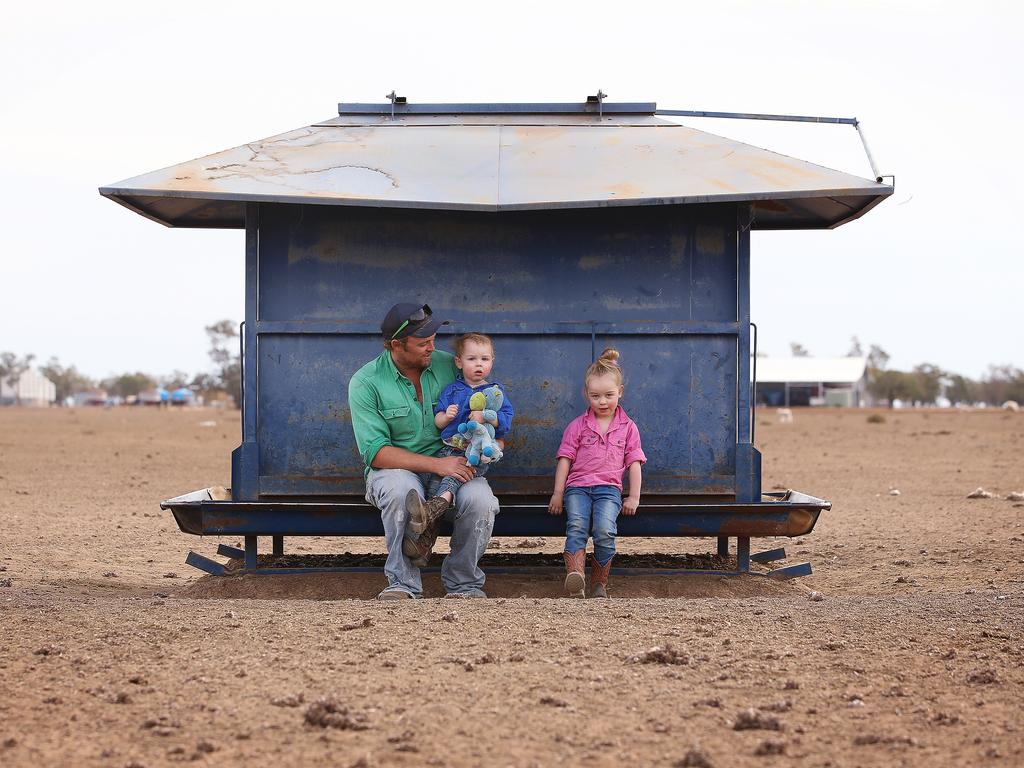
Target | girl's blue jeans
(592,511)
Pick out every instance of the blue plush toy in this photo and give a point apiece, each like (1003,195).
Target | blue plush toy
(483,448)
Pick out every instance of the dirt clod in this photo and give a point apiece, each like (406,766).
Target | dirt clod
(329,712)
(695,758)
(768,747)
(751,720)
(984,676)
(660,654)
(291,700)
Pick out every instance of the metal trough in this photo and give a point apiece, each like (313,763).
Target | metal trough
(778,514)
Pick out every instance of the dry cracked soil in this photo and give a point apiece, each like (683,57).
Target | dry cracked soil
(113,652)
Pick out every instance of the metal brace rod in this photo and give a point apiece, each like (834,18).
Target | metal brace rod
(785,118)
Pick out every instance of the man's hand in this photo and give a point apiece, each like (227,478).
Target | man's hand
(454,466)
(629,505)
(555,505)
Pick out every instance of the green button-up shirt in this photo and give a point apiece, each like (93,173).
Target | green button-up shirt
(385,410)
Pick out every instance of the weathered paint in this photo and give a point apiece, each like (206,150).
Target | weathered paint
(494,160)
(661,287)
(284,518)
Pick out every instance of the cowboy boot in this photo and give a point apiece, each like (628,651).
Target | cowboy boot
(423,513)
(575,581)
(418,550)
(599,576)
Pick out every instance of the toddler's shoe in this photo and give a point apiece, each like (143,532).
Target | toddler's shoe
(575,582)
(599,577)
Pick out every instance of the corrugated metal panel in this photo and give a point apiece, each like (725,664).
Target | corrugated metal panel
(493,162)
(834,370)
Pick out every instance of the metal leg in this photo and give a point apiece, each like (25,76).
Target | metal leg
(279,545)
(250,553)
(769,556)
(723,546)
(743,553)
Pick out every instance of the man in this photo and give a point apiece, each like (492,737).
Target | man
(392,400)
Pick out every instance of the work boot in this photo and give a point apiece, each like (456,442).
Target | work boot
(423,513)
(599,577)
(418,550)
(575,581)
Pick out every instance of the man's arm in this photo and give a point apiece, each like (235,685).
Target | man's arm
(373,438)
(391,457)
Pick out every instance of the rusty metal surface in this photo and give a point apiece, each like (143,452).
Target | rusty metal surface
(782,517)
(494,162)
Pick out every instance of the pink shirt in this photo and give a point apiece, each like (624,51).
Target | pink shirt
(600,459)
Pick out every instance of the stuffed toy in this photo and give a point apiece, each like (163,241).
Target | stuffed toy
(483,448)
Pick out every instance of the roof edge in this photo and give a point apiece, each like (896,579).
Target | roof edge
(586,108)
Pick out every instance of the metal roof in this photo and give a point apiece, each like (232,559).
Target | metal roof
(498,158)
(810,370)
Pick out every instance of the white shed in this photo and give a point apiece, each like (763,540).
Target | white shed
(33,389)
(786,381)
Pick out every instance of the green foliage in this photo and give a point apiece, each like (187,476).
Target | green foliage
(68,380)
(11,369)
(128,384)
(224,354)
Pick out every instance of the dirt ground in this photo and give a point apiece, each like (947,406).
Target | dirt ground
(113,652)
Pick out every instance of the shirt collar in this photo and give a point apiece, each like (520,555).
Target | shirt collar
(618,419)
(390,362)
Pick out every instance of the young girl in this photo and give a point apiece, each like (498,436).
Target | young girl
(597,448)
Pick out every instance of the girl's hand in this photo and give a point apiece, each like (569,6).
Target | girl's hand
(451,411)
(555,505)
(629,505)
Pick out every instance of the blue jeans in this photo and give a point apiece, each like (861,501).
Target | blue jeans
(472,520)
(449,483)
(592,511)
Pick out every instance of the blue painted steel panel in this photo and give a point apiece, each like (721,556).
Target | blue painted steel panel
(552,288)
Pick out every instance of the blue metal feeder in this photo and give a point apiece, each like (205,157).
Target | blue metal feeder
(557,229)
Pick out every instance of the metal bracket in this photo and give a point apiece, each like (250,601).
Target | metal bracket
(769,556)
(599,99)
(395,99)
(212,567)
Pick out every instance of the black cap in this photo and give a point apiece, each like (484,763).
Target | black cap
(405,319)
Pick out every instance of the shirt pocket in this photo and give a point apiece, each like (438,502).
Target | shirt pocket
(400,420)
(617,450)
(588,441)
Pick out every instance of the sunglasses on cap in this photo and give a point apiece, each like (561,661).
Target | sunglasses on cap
(418,316)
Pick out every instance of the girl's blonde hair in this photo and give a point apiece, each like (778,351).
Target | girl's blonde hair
(477,338)
(606,365)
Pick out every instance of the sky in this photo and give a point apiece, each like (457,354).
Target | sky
(94,93)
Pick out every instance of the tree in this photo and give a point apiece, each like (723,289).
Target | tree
(224,354)
(67,381)
(878,358)
(893,385)
(11,369)
(856,350)
(175,380)
(128,384)
(960,389)
(1002,383)
(798,350)
(928,382)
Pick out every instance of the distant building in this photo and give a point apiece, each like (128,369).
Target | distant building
(789,381)
(90,397)
(155,396)
(183,396)
(33,389)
